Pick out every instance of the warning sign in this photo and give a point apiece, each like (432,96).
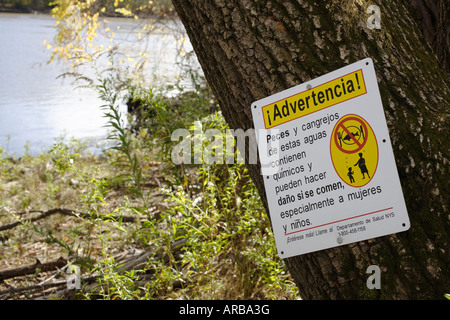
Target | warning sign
(354,150)
(328,167)
(323,96)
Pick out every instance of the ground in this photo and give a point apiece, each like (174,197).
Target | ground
(185,232)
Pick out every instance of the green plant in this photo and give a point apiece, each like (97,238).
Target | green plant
(113,285)
(109,93)
(230,249)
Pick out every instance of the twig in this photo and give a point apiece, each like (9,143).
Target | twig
(31,269)
(5,294)
(140,261)
(63,211)
(135,262)
(10,291)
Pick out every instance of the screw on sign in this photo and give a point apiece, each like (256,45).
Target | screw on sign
(354,150)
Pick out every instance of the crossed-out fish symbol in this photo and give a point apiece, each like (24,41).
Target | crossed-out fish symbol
(359,133)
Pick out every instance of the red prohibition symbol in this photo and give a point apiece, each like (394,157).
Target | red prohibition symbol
(348,138)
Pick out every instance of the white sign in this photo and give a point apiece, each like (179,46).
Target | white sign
(329,170)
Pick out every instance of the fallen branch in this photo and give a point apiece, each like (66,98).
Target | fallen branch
(5,294)
(64,211)
(93,284)
(31,269)
(140,263)
(8,293)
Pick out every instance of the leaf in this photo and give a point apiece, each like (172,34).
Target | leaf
(125,12)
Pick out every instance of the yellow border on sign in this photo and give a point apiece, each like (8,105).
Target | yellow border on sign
(318,98)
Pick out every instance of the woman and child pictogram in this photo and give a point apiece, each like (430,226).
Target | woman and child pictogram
(362,166)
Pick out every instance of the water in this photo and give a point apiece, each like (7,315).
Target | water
(36,106)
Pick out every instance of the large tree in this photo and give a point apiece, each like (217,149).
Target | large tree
(250,49)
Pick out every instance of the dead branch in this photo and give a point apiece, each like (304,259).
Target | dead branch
(8,293)
(64,211)
(93,284)
(5,294)
(33,268)
(140,263)
(162,253)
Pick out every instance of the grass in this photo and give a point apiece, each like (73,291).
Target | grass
(229,250)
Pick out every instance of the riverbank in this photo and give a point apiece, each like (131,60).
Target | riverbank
(24,10)
(78,208)
(127,223)
(136,225)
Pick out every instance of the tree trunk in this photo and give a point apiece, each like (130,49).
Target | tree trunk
(433,17)
(250,49)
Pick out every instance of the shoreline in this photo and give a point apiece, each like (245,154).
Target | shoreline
(23,11)
(4,9)
(48,12)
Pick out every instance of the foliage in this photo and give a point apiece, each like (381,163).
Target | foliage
(127,157)
(229,251)
(215,207)
(78,24)
(229,237)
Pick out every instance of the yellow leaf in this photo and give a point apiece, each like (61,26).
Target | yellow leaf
(124,11)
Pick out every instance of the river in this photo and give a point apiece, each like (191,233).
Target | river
(37,107)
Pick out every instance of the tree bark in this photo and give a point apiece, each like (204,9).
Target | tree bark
(251,49)
(433,17)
